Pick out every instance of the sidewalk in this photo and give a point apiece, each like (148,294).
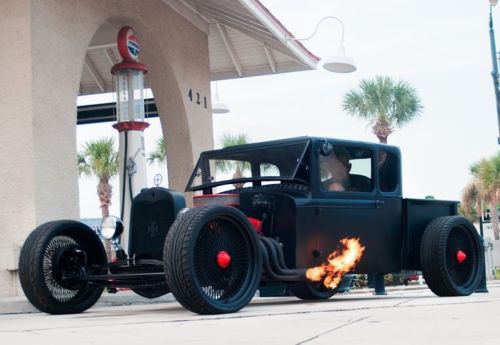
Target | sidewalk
(20,305)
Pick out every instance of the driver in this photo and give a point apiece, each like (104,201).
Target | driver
(338,167)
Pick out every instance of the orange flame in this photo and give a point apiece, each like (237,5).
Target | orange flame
(340,261)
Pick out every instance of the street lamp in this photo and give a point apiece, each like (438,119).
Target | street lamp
(494,61)
(339,63)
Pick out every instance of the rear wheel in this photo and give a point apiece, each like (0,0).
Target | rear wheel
(52,260)
(452,257)
(212,260)
(312,290)
(153,291)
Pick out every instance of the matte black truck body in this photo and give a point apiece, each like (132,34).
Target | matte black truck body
(263,213)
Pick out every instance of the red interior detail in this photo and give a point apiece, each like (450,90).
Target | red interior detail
(216,199)
(257,224)
(223,259)
(461,256)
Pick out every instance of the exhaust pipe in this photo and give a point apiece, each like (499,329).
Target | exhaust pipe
(274,262)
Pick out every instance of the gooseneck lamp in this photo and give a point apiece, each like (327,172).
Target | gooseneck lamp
(340,62)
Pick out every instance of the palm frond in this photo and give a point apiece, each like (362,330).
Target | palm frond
(159,154)
(99,158)
(487,175)
(83,167)
(382,100)
(228,140)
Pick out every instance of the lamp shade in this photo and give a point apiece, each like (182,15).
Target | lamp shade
(219,107)
(339,64)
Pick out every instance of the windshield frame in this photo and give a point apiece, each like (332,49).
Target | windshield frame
(227,153)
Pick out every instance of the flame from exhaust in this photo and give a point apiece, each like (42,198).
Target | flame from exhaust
(339,262)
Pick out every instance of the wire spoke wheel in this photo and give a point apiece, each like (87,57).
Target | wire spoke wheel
(460,240)
(57,258)
(221,283)
(451,256)
(212,260)
(53,263)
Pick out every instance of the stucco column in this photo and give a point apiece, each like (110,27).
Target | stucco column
(42,56)
(38,170)
(17,197)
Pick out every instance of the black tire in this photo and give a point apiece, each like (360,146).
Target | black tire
(48,252)
(311,290)
(444,274)
(191,268)
(153,291)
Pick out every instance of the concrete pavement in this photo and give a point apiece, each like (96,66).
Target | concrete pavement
(408,316)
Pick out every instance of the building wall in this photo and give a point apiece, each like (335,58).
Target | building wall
(496,253)
(43,44)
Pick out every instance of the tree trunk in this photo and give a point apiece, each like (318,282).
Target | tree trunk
(382,129)
(105,192)
(494,220)
(238,174)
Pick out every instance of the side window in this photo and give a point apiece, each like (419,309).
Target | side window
(346,169)
(388,169)
(269,170)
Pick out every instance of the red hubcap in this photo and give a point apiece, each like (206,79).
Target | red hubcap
(461,256)
(223,259)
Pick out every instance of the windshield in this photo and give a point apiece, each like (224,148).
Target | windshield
(240,165)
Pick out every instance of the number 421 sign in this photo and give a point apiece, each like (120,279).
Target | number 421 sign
(197,98)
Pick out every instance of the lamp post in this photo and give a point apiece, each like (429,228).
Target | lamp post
(494,61)
(339,63)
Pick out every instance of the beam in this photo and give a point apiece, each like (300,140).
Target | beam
(280,32)
(230,48)
(102,46)
(270,59)
(190,13)
(95,74)
(110,55)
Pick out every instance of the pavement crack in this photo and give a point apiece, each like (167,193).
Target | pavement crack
(405,301)
(333,330)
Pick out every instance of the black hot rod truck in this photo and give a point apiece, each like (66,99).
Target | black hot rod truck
(263,213)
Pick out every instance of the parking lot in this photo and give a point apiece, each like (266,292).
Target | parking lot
(407,316)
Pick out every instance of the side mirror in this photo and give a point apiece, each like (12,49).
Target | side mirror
(325,148)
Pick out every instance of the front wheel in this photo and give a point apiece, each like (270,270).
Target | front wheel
(212,260)
(452,256)
(53,258)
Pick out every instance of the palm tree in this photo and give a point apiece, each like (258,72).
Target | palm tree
(470,206)
(227,166)
(486,173)
(159,154)
(385,103)
(100,158)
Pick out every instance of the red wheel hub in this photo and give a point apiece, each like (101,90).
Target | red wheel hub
(461,256)
(223,259)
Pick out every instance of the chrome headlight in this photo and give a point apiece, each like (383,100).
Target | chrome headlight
(111,227)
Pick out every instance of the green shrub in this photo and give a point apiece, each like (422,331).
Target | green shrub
(361,281)
(496,273)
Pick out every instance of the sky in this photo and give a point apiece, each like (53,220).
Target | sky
(439,47)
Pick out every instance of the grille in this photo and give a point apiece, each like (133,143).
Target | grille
(153,212)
